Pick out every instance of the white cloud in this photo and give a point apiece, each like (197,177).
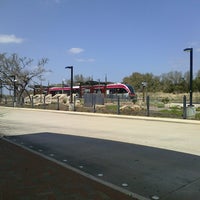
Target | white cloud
(85,60)
(75,50)
(10,39)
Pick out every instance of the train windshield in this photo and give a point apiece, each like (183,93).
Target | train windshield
(130,88)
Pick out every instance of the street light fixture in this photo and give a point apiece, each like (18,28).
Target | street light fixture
(191,72)
(71,87)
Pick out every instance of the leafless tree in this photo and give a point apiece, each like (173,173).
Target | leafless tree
(20,72)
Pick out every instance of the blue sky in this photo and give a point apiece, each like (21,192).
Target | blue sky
(102,37)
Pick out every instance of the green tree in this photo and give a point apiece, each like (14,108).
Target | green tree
(79,78)
(136,80)
(197,82)
(174,81)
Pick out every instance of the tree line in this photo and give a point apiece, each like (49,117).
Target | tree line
(20,74)
(171,82)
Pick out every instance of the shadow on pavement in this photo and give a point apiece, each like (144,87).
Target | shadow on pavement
(143,170)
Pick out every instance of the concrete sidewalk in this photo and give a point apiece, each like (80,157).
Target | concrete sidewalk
(156,158)
(24,175)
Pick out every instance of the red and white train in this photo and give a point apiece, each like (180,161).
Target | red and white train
(110,89)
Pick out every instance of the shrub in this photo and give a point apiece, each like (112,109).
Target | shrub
(165,100)
(197,116)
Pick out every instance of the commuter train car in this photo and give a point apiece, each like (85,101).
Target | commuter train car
(108,89)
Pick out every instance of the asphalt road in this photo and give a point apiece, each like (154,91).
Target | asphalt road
(152,158)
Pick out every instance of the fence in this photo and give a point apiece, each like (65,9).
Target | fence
(152,105)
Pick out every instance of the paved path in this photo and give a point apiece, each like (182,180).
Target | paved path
(147,157)
(24,175)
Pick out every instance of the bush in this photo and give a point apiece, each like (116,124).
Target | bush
(198,109)
(165,100)
(173,112)
(197,116)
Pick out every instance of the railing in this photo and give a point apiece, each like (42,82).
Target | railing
(151,105)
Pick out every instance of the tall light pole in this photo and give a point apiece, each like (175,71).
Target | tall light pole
(1,90)
(14,90)
(71,87)
(191,72)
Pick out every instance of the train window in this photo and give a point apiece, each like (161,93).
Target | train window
(112,91)
(123,90)
(130,88)
(99,91)
(86,90)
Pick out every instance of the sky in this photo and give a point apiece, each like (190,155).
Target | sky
(99,38)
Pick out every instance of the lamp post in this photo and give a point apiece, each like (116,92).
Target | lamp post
(1,90)
(71,85)
(14,90)
(144,85)
(191,72)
